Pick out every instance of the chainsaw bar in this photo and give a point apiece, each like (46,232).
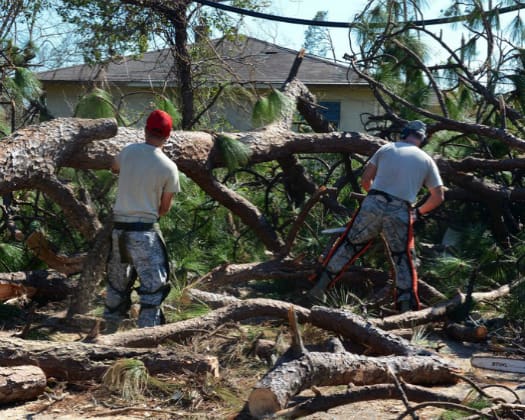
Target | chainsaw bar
(502,364)
(333,230)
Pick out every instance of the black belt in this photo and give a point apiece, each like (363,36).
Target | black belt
(388,197)
(133,226)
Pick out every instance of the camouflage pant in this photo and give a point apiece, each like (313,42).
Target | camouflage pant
(379,215)
(143,255)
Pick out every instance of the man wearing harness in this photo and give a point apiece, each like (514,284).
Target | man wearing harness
(393,177)
(148,179)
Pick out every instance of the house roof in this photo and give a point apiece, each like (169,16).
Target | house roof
(246,60)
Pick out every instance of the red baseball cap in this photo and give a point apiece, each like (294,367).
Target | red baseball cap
(159,123)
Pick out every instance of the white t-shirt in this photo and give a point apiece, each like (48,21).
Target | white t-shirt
(402,169)
(145,173)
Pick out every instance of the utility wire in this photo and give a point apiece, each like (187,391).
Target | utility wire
(328,24)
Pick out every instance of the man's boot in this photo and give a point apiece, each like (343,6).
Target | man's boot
(405,301)
(318,292)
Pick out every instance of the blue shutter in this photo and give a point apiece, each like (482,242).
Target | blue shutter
(332,112)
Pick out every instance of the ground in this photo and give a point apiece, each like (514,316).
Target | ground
(189,397)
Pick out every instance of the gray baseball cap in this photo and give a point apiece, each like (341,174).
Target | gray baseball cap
(418,127)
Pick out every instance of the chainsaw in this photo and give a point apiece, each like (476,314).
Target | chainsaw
(502,364)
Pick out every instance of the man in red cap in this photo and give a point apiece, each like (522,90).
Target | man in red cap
(148,179)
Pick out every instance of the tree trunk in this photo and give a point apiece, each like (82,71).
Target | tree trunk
(275,389)
(21,383)
(93,270)
(81,361)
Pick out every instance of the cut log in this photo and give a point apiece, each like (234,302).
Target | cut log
(80,361)
(235,312)
(275,389)
(472,334)
(21,383)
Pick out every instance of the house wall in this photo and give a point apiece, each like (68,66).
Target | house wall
(356,101)
(233,113)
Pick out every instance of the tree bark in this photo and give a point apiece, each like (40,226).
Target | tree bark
(350,325)
(30,158)
(275,389)
(81,361)
(93,270)
(21,383)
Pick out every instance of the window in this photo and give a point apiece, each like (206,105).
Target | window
(332,112)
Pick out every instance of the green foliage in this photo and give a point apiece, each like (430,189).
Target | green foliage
(111,28)
(514,307)
(317,39)
(5,129)
(12,257)
(477,402)
(270,108)
(165,104)
(95,104)
(28,84)
(234,153)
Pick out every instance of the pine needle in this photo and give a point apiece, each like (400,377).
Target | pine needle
(128,376)
(95,104)
(270,108)
(165,104)
(27,82)
(234,153)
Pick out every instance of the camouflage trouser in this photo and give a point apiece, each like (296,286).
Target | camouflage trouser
(142,254)
(378,215)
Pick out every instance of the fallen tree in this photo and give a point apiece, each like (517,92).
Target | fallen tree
(275,389)
(81,361)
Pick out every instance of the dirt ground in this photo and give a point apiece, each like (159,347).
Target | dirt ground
(93,401)
(225,398)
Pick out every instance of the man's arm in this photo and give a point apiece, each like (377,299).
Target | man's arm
(368,176)
(165,203)
(437,195)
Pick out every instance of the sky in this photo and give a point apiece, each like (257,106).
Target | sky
(292,35)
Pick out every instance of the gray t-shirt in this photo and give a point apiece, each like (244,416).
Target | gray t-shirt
(402,169)
(145,173)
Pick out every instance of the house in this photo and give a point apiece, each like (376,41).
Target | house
(254,64)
